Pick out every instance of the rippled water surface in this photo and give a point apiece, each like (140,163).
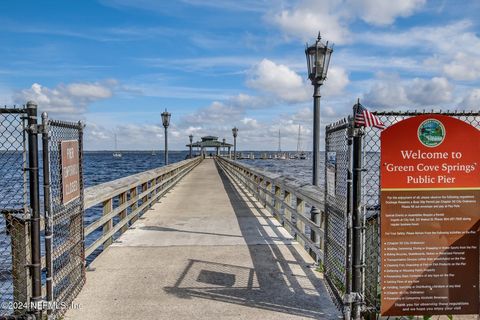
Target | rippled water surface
(100,167)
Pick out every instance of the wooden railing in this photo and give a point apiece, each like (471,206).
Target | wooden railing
(132,195)
(287,199)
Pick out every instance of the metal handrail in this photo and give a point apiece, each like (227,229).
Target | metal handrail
(277,193)
(135,194)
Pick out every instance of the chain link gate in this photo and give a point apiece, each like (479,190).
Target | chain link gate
(337,196)
(64,233)
(15,252)
(339,206)
(29,282)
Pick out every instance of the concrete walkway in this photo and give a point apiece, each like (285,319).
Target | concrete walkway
(206,251)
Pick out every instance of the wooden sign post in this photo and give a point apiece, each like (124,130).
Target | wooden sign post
(430,217)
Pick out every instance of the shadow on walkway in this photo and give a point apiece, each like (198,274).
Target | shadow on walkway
(281,279)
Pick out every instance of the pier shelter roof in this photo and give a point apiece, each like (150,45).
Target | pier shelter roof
(209,142)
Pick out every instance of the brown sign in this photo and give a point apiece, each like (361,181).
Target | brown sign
(430,221)
(70,170)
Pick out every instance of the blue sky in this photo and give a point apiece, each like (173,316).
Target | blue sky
(215,64)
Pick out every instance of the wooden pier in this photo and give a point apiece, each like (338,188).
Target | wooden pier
(208,250)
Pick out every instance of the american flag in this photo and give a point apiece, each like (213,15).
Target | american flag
(365,118)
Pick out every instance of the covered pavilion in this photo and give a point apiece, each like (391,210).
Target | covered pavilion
(210,142)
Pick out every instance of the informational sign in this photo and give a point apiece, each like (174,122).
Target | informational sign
(331,172)
(430,217)
(70,170)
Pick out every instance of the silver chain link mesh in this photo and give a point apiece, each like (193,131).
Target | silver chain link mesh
(336,206)
(371,198)
(67,222)
(14,240)
(335,209)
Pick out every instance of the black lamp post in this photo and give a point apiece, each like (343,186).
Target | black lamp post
(318,58)
(235,133)
(191,141)
(166,122)
(223,145)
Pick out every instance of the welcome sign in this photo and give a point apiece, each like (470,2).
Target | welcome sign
(430,217)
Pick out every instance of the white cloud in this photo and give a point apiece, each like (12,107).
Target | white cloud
(380,12)
(390,91)
(329,111)
(97,133)
(463,67)
(472,100)
(309,17)
(130,136)
(246,101)
(337,80)
(217,114)
(251,123)
(454,48)
(73,98)
(89,91)
(430,92)
(386,93)
(303,115)
(279,80)
(333,17)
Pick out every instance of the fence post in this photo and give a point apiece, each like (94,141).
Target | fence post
(261,191)
(277,202)
(357,223)
(145,198)
(348,299)
(134,206)
(287,199)
(20,244)
(47,209)
(81,126)
(122,199)
(300,205)
(34,189)
(107,208)
(268,198)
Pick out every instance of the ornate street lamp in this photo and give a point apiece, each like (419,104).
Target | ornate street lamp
(166,122)
(191,141)
(223,145)
(235,133)
(318,58)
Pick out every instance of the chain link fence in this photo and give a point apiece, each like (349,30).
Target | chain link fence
(337,164)
(371,198)
(64,219)
(338,206)
(14,231)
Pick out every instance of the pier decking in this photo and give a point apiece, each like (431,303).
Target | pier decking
(207,250)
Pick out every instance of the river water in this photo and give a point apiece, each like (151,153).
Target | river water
(100,167)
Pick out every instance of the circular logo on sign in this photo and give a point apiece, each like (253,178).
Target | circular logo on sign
(431,133)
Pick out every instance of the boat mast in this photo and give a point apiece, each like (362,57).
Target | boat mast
(299,141)
(279,142)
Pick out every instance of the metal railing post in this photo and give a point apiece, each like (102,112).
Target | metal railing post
(47,209)
(348,299)
(107,208)
(357,223)
(35,265)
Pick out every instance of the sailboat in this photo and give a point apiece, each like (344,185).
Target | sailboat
(116,153)
(300,153)
(281,156)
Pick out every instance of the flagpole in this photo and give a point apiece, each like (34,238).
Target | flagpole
(357,221)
